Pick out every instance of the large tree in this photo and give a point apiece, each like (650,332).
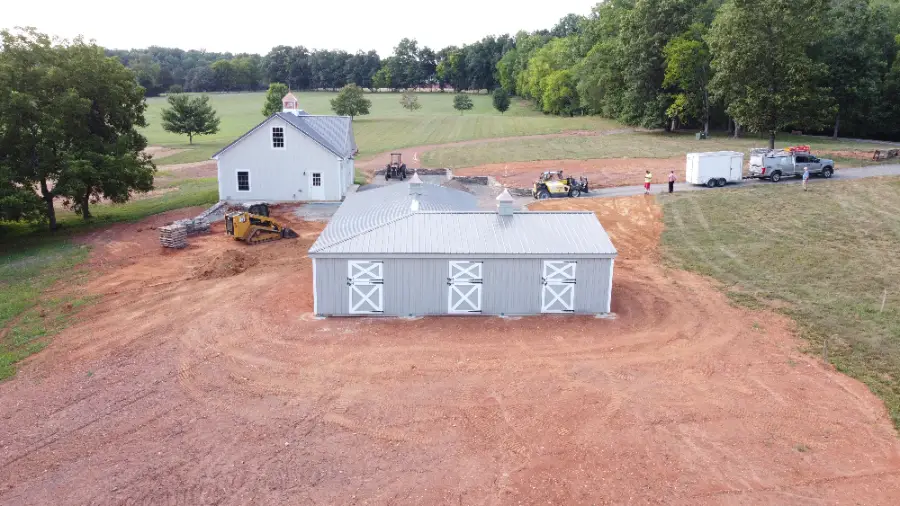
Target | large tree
(351,101)
(68,123)
(852,49)
(761,58)
(688,70)
(273,104)
(190,116)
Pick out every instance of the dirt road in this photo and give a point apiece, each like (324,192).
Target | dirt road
(201,377)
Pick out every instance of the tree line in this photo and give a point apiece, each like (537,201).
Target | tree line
(758,65)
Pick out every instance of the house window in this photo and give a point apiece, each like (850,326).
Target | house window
(317,179)
(243,180)
(278,137)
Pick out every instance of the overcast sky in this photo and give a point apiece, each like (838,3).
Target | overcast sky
(255,27)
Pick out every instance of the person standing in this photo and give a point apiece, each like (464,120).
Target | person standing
(671,181)
(648,177)
(805,177)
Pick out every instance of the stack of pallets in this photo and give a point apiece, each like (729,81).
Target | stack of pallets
(173,236)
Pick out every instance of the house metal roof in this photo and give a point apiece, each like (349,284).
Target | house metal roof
(387,222)
(334,133)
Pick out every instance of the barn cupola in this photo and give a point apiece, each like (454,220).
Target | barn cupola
(505,203)
(415,184)
(290,104)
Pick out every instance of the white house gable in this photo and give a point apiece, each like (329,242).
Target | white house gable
(277,162)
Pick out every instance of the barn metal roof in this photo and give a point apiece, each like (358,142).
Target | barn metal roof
(386,222)
(334,133)
(367,210)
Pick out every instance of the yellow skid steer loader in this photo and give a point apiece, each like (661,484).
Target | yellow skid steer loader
(254,226)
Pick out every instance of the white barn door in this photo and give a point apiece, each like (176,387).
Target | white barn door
(464,282)
(558,291)
(366,281)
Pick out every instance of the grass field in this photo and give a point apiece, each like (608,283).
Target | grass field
(388,126)
(826,257)
(32,261)
(630,145)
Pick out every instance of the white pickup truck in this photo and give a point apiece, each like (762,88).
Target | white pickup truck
(776,164)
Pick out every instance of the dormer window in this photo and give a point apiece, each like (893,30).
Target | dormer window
(277,137)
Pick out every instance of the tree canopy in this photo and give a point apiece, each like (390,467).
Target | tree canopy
(190,116)
(462,102)
(68,127)
(501,100)
(351,101)
(410,102)
(768,74)
(275,93)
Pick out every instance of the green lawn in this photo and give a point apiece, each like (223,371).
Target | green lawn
(827,256)
(387,127)
(631,145)
(33,260)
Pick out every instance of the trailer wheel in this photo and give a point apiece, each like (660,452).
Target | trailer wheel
(711,183)
(721,182)
(827,172)
(776,176)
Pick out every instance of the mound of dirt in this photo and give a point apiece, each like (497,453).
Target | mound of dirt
(230,263)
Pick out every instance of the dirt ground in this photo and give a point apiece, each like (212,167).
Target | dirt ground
(159,152)
(856,155)
(601,173)
(194,169)
(184,388)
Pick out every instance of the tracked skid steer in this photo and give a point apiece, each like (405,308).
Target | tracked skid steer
(254,226)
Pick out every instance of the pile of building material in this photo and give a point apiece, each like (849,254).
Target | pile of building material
(195,226)
(173,236)
(885,154)
(214,213)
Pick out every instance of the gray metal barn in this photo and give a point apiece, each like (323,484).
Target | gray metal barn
(415,249)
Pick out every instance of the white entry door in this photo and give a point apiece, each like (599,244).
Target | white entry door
(464,287)
(316,185)
(558,291)
(366,281)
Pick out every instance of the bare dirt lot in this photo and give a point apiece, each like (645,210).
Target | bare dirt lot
(601,173)
(192,382)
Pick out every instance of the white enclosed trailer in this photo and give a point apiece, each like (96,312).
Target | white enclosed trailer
(715,169)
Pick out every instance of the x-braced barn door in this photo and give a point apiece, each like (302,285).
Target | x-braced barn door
(366,281)
(464,284)
(558,292)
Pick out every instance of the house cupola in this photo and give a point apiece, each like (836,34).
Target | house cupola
(290,104)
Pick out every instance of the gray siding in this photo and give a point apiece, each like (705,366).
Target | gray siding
(279,174)
(418,286)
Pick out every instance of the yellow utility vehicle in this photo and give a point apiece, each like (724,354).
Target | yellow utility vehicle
(254,226)
(553,184)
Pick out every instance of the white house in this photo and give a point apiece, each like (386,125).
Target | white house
(290,156)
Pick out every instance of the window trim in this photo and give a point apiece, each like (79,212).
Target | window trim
(272,137)
(237,181)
